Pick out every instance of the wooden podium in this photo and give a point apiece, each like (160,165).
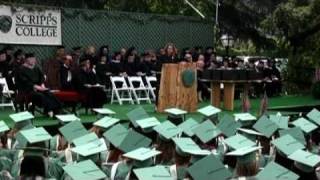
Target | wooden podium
(173,92)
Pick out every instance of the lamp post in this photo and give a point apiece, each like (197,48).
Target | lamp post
(227,41)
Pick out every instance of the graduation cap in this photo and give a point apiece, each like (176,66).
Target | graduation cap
(142,156)
(175,111)
(305,160)
(206,131)
(276,171)
(314,115)
(185,146)
(153,173)
(106,122)
(67,118)
(32,136)
(3,127)
(137,114)
(21,119)
(228,125)
(133,140)
(265,126)
(116,134)
(249,133)
(188,126)
(84,170)
(209,111)
(245,154)
(104,111)
(73,130)
(167,130)
(281,121)
(305,125)
(296,133)
(287,144)
(147,124)
(246,119)
(85,139)
(91,148)
(239,141)
(207,168)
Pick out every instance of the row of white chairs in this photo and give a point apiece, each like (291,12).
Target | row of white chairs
(135,89)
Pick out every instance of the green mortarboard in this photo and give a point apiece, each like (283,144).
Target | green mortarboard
(314,115)
(142,154)
(94,147)
(104,111)
(3,127)
(32,136)
(239,141)
(133,140)
(305,125)
(167,130)
(148,123)
(137,114)
(21,119)
(209,111)
(85,139)
(296,133)
(206,131)
(275,171)
(228,125)
(73,130)
(22,116)
(207,168)
(265,126)
(249,133)
(65,118)
(281,121)
(245,154)
(84,170)
(185,145)
(188,126)
(106,122)
(305,160)
(116,134)
(244,117)
(287,144)
(175,111)
(153,173)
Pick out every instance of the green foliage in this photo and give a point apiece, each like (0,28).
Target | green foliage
(316,90)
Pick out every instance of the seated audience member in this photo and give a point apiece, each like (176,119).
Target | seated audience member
(202,88)
(116,65)
(90,53)
(130,65)
(4,64)
(30,81)
(52,69)
(123,52)
(188,58)
(76,54)
(65,73)
(104,51)
(85,82)
(103,71)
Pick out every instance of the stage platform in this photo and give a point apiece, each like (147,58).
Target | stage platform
(299,103)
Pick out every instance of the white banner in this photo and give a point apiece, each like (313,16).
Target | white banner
(23,26)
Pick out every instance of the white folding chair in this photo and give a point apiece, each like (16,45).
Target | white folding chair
(119,92)
(151,89)
(6,99)
(140,93)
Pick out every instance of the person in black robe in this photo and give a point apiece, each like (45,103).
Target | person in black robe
(103,72)
(4,64)
(30,81)
(116,65)
(85,82)
(170,56)
(66,73)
